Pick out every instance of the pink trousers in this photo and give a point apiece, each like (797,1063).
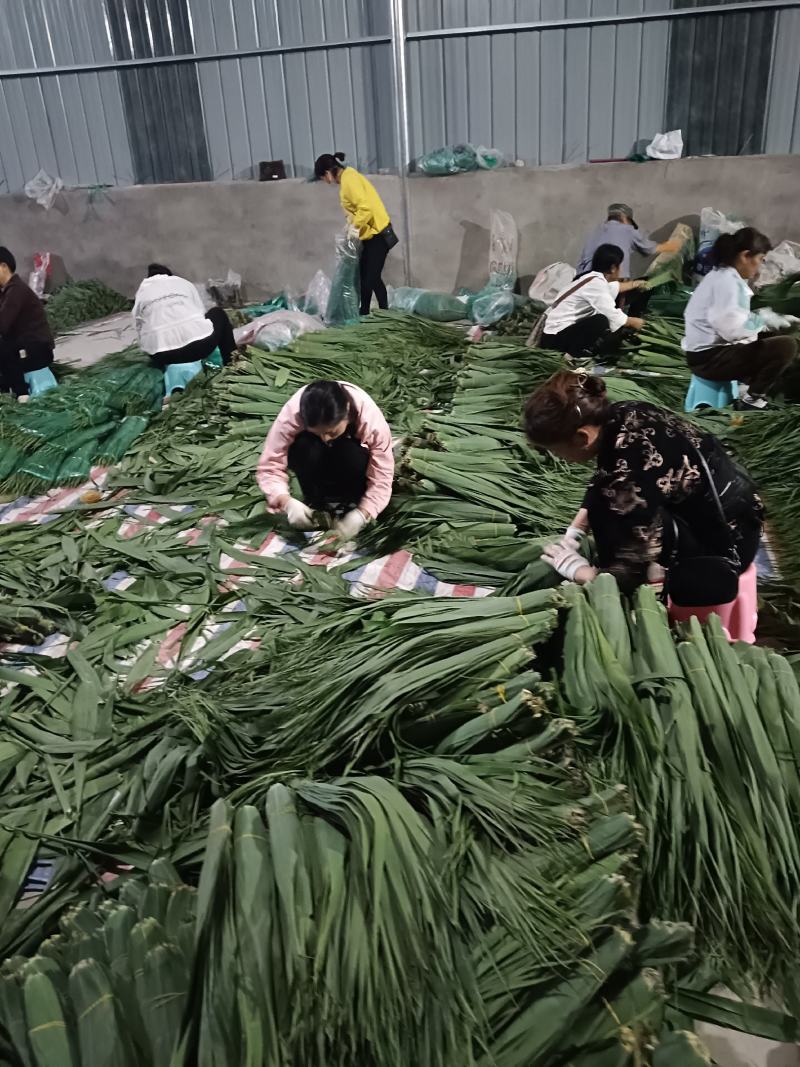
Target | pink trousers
(738,618)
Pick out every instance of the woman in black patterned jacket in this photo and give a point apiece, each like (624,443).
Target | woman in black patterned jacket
(650,502)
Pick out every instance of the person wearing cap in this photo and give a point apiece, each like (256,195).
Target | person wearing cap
(621,230)
(26,338)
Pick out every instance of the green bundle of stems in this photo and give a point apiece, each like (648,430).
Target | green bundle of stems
(78,302)
(480,914)
(764,443)
(705,735)
(412,821)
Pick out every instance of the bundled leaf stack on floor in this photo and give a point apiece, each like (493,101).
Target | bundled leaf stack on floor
(707,737)
(93,417)
(394,831)
(75,303)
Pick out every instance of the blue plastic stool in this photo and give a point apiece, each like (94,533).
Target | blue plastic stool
(703,393)
(178,375)
(40,381)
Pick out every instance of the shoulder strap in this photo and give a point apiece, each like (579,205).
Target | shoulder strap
(711,483)
(569,292)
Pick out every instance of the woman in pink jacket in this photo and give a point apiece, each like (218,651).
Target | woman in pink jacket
(334,438)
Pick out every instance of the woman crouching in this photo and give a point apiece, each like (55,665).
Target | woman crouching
(665,495)
(334,438)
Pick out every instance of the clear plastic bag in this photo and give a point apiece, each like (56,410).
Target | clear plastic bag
(550,281)
(712,224)
(491,305)
(227,292)
(344,301)
(43,189)
(489,158)
(782,261)
(317,295)
(441,307)
(503,240)
(37,279)
(277,329)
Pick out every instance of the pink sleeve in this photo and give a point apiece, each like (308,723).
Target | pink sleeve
(374,432)
(271,472)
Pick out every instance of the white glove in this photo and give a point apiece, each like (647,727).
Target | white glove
(565,560)
(350,525)
(299,514)
(573,537)
(351,232)
(773,320)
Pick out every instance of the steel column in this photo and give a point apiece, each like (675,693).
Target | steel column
(401,137)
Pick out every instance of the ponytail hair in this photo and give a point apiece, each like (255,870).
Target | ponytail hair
(326,163)
(325,403)
(729,246)
(562,405)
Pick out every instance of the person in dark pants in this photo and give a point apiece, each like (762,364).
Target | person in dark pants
(374,251)
(335,473)
(724,341)
(333,436)
(26,338)
(584,319)
(665,493)
(369,219)
(172,324)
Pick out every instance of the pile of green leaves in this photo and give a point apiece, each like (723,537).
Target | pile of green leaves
(379,835)
(78,302)
(707,737)
(92,417)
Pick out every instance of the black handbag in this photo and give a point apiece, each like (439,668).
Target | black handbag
(390,237)
(695,581)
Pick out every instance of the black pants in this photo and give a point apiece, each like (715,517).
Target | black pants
(329,474)
(373,256)
(221,337)
(759,364)
(13,368)
(585,338)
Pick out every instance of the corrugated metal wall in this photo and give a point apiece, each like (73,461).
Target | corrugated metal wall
(298,105)
(555,94)
(544,96)
(73,125)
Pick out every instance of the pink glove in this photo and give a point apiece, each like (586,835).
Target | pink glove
(565,560)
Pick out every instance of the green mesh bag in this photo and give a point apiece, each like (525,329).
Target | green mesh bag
(452,159)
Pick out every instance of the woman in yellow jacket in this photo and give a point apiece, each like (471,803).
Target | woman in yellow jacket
(366,213)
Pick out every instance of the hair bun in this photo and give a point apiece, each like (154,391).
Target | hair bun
(339,156)
(594,386)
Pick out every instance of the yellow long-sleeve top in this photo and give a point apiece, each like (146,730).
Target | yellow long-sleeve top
(361,203)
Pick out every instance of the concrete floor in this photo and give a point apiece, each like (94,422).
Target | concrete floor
(90,343)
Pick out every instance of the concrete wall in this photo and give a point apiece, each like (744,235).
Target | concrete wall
(556,206)
(277,234)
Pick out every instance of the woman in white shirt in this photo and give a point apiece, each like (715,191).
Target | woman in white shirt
(584,319)
(723,340)
(172,324)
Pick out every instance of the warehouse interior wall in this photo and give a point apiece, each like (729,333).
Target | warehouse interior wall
(216,88)
(279,234)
